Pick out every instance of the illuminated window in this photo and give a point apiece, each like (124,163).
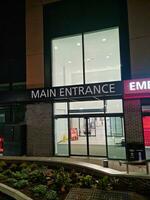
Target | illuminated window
(86,58)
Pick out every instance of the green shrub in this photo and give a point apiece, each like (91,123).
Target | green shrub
(33,166)
(51,195)
(3,164)
(19,175)
(86,181)
(13,167)
(37,176)
(40,190)
(2,177)
(104,183)
(7,172)
(20,184)
(23,165)
(42,167)
(11,180)
(62,181)
(26,171)
(1,169)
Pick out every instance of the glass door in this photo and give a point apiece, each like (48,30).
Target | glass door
(78,136)
(96,136)
(115,137)
(61,137)
(87,136)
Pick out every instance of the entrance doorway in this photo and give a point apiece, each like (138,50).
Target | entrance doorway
(87,136)
(89,128)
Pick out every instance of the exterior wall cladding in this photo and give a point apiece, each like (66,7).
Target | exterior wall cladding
(139,44)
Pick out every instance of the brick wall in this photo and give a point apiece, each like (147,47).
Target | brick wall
(39,129)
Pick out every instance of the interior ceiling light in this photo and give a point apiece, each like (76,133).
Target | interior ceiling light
(104,39)
(88,59)
(69,61)
(107,56)
(78,44)
(56,47)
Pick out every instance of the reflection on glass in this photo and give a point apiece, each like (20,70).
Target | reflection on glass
(61,136)
(102,56)
(67,61)
(86,107)
(114,106)
(60,108)
(78,137)
(115,137)
(96,133)
(2,117)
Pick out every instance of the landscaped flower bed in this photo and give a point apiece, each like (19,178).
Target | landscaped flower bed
(41,182)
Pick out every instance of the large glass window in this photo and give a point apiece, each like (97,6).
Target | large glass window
(67,61)
(86,58)
(102,56)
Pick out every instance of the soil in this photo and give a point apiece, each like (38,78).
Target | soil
(5,197)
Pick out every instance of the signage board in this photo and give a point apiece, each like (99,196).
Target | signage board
(137,88)
(146,129)
(78,91)
(90,91)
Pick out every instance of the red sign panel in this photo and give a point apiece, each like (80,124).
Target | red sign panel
(137,88)
(146,127)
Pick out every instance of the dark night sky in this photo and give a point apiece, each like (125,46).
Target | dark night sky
(12,41)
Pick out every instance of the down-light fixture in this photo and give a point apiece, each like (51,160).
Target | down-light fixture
(104,39)
(56,47)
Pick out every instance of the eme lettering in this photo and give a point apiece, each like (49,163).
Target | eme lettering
(139,85)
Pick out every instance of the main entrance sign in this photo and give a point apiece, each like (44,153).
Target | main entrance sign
(87,90)
(102,90)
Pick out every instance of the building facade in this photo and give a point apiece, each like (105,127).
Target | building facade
(87,81)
